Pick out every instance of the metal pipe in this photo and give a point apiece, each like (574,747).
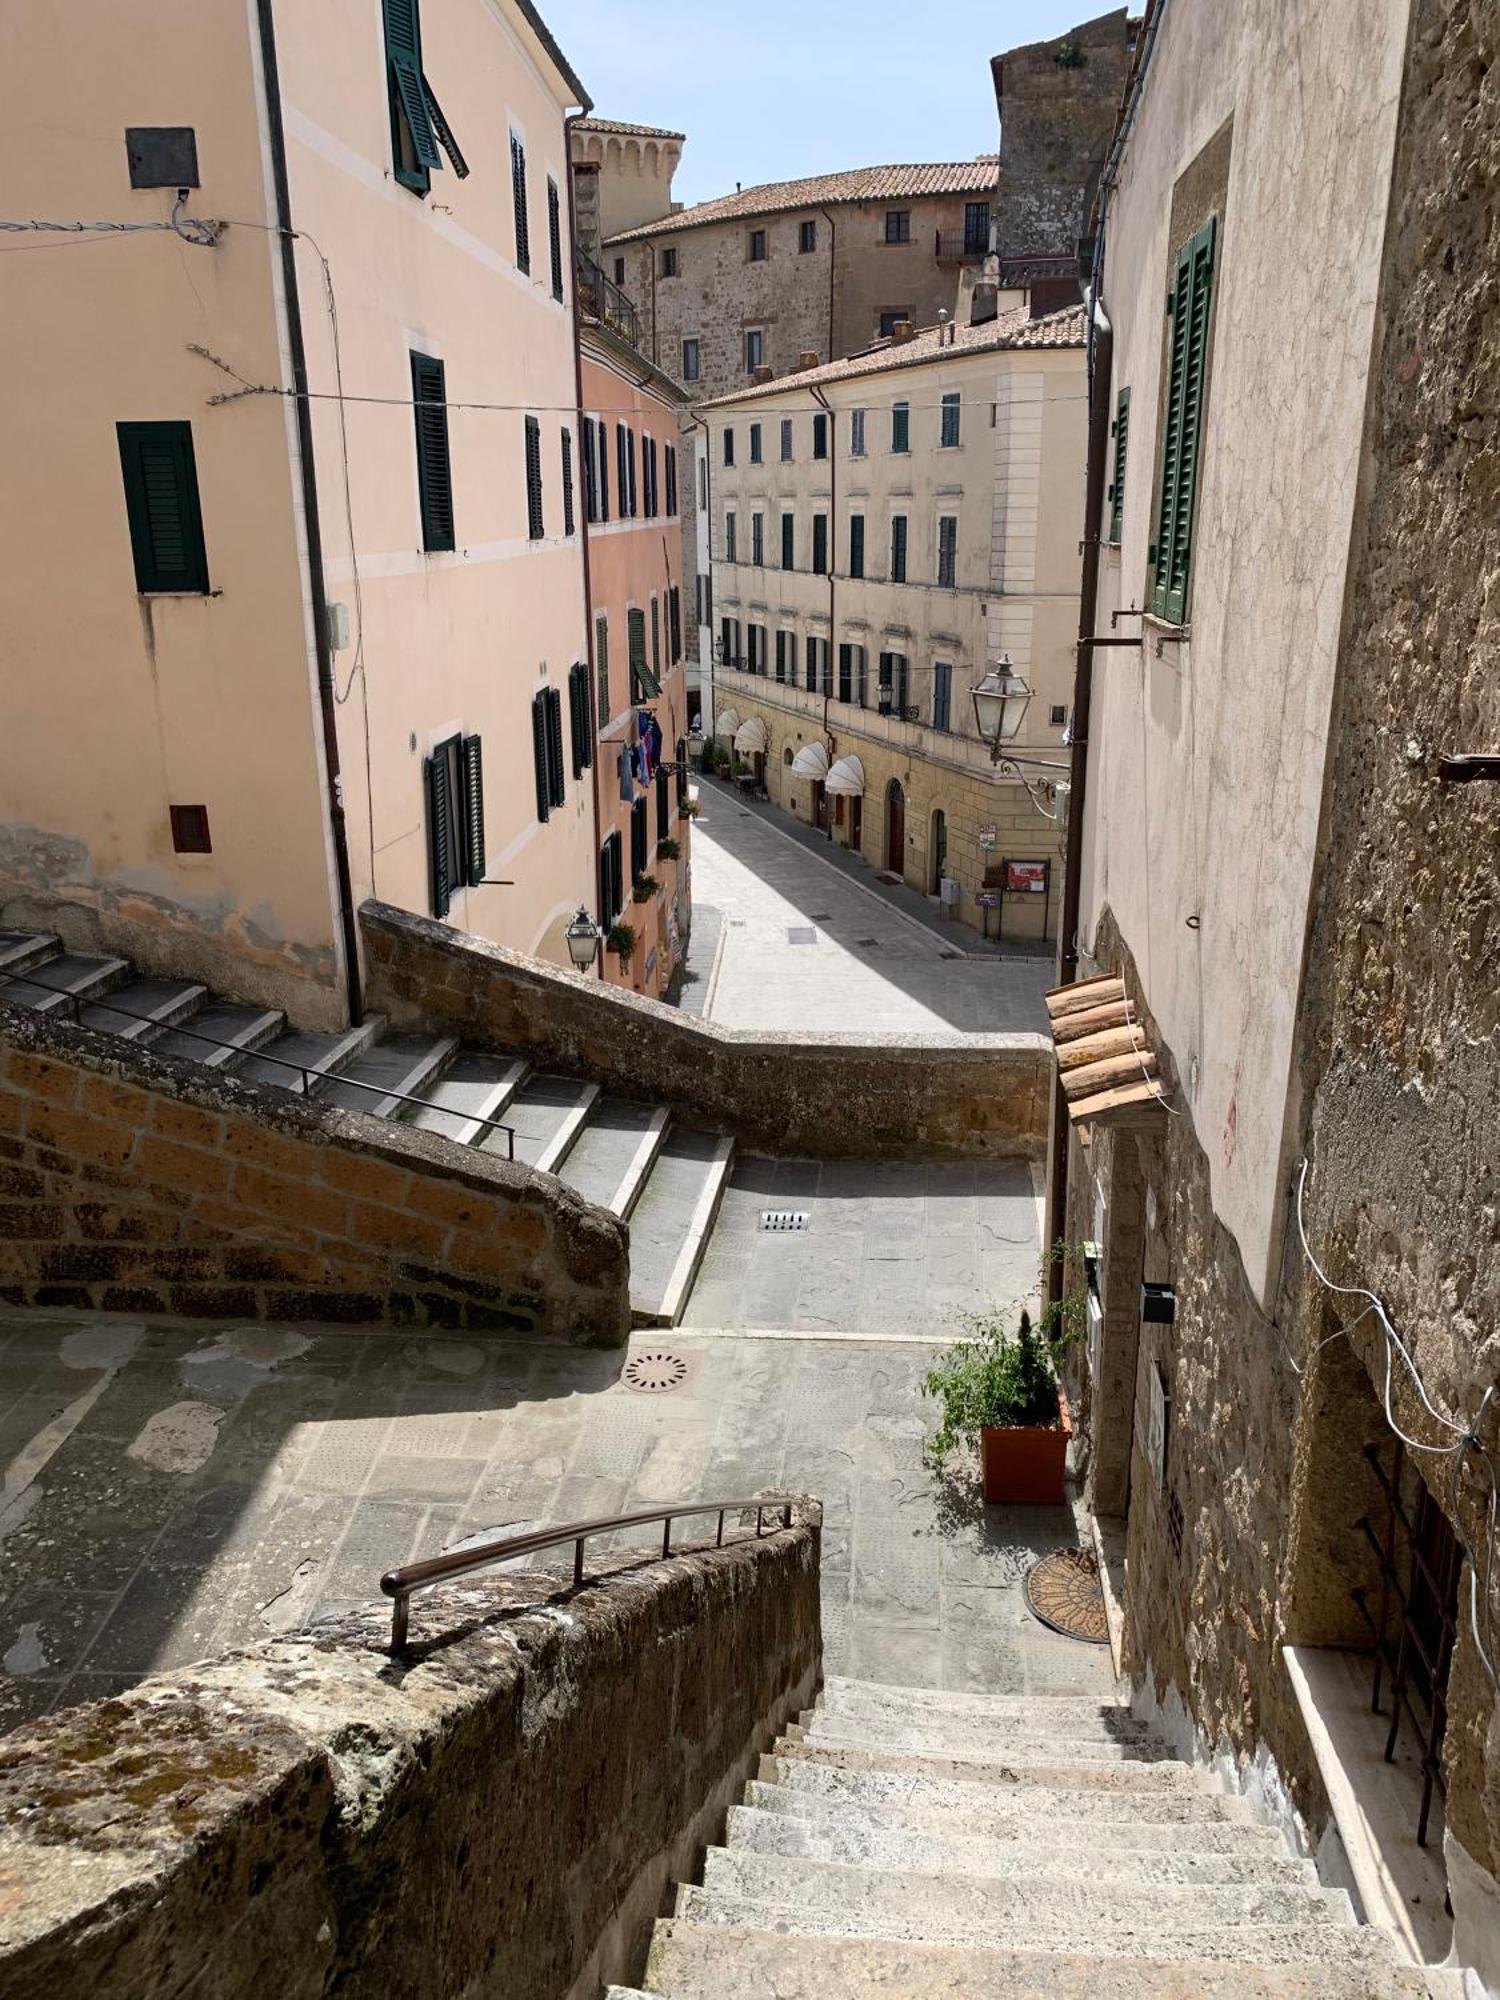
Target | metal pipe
(583,538)
(312,526)
(832,554)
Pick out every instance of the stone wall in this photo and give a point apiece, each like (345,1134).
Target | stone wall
(1057,101)
(830,1096)
(498,1813)
(136,1183)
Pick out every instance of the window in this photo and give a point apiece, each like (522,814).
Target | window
(554,236)
(891,318)
(674,623)
(601,668)
(788,541)
(856,545)
(648,477)
(690,361)
(942,695)
(731,537)
(952,403)
(190,830)
(976,228)
(811,679)
(536,525)
(755,349)
(454,780)
(820,435)
(893,679)
(861,677)
(669,263)
(669,455)
(755,444)
(820,545)
(644,685)
(625,469)
(947,551)
(758,540)
(729,641)
(755,639)
(786,440)
(856,433)
(596,469)
(898,548)
(619,270)
(656,638)
(611,881)
(567,481)
(786,647)
(729,444)
(418,126)
(663,806)
(580,728)
(434,479)
(757,246)
(846,673)
(807,236)
(640,840)
(900,427)
(1188,315)
(161,506)
(518,203)
(1057,715)
(547,750)
(898,225)
(1120,430)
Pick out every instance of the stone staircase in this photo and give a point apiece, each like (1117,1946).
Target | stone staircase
(667,1180)
(927,1845)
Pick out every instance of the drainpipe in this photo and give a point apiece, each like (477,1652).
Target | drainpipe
(583,537)
(707,510)
(312,526)
(833,542)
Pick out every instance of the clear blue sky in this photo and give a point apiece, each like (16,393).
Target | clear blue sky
(780,88)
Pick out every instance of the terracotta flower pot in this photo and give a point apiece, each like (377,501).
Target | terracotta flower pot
(1024,1464)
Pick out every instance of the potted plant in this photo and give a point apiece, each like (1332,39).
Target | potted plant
(667,850)
(1001,1395)
(644,888)
(689,809)
(621,941)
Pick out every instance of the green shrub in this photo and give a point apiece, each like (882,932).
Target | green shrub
(621,940)
(667,850)
(644,888)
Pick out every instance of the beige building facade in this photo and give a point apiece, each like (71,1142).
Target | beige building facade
(322,571)
(882,530)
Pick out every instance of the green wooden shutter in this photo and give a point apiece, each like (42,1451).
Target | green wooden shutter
(567,481)
(539,754)
(161,506)
(439,831)
(555,789)
(536,526)
(616,875)
(674,622)
(434,476)
(856,545)
(473,829)
(413,140)
(656,636)
(580,732)
(898,548)
(1189,309)
(1117,484)
(663,806)
(518,199)
(601,668)
(644,685)
(554,236)
(820,544)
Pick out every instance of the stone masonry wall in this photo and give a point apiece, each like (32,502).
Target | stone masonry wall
(499,1813)
(1058,100)
(828,1096)
(136,1183)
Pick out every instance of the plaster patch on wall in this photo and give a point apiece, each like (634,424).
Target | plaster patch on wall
(179,1438)
(27,1654)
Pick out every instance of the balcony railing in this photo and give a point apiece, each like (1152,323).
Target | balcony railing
(603,300)
(962,246)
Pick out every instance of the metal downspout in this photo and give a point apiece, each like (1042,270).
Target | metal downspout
(312,526)
(833,531)
(583,489)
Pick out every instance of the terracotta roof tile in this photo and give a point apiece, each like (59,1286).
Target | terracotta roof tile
(896,183)
(1067,328)
(625,129)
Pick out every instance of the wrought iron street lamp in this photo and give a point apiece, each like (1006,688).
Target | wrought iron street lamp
(1000,703)
(583,936)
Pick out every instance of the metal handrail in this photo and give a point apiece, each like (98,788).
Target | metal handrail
(401,1584)
(308,1076)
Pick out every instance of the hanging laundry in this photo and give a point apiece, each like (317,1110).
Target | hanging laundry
(654,740)
(627,775)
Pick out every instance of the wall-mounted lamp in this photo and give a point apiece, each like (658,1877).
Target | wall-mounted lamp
(583,936)
(1000,703)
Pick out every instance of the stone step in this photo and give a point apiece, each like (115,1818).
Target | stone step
(52,984)
(998,1741)
(18,949)
(1116,1726)
(842,1696)
(1063,1772)
(1037,1801)
(1042,1853)
(140,1009)
(296,1057)
(546,1114)
(1085,1820)
(673,1219)
(855,1896)
(615,1152)
(474,1087)
(693,1961)
(1120,1935)
(381,1077)
(220,1031)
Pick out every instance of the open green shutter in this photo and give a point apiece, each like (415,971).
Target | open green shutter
(473,827)
(535,521)
(556,791)
(518,198)
(434,476)
(1117,484)
(539,754)
(1189,310)
(439,824)
(161,506)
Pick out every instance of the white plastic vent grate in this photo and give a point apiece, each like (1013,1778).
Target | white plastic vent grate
(778,1220)
(653,1372)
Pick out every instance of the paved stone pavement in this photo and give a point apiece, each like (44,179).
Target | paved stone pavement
(172,1489)
(893,1247)
(807,944)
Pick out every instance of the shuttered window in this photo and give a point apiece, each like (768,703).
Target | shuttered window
(856,433)
(161,506)
(443,776)
(611,880)
(781,651)
(554,746)
(812,664)
(670,454)
(590,484)
(788,541)
(898,548)
(601,434)
(942,695)
(518,200)
(846,673)
(731,537)
(648,477)
(1188,314)
(639,840)
(601,668)
(820,435)
(682,773)
(755,444)
(580,720)
(947,551)
(644,685)
(856,545)
(473,813)
(554,236)
(758,540)
(547,750)
(418,126)
(900,427)
(729,444)
(1121,432)
(674,622)
(820,545)
(434,476)
(536,526)
(656,637)
(952,404)
(786,440)
(663,806)
(567,481)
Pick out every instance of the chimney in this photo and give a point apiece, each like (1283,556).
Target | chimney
(763,374)
(901,330)
(808,358)
(986,302)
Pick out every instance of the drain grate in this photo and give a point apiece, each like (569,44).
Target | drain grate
(654,1371)
(868,944)
(777,1220)
(819,917)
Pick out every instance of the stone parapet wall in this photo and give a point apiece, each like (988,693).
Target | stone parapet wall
(828,1096)
(498,1813)
(137,1183)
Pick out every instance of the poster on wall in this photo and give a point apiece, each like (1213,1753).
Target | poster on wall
(1026,878)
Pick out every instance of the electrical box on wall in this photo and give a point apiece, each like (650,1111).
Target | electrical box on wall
(338,627)
(162,156)
(1158,1304)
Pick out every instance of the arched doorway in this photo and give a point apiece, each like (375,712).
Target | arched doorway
(937,853)
(895,827)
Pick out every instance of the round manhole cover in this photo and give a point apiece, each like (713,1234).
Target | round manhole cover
(654,1372)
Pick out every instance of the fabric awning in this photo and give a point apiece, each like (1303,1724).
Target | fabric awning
(726,724)
(750,736)
(847,778)
(811,761)
(1104,1057)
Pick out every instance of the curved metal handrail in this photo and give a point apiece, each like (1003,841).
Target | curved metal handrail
(401,1584)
